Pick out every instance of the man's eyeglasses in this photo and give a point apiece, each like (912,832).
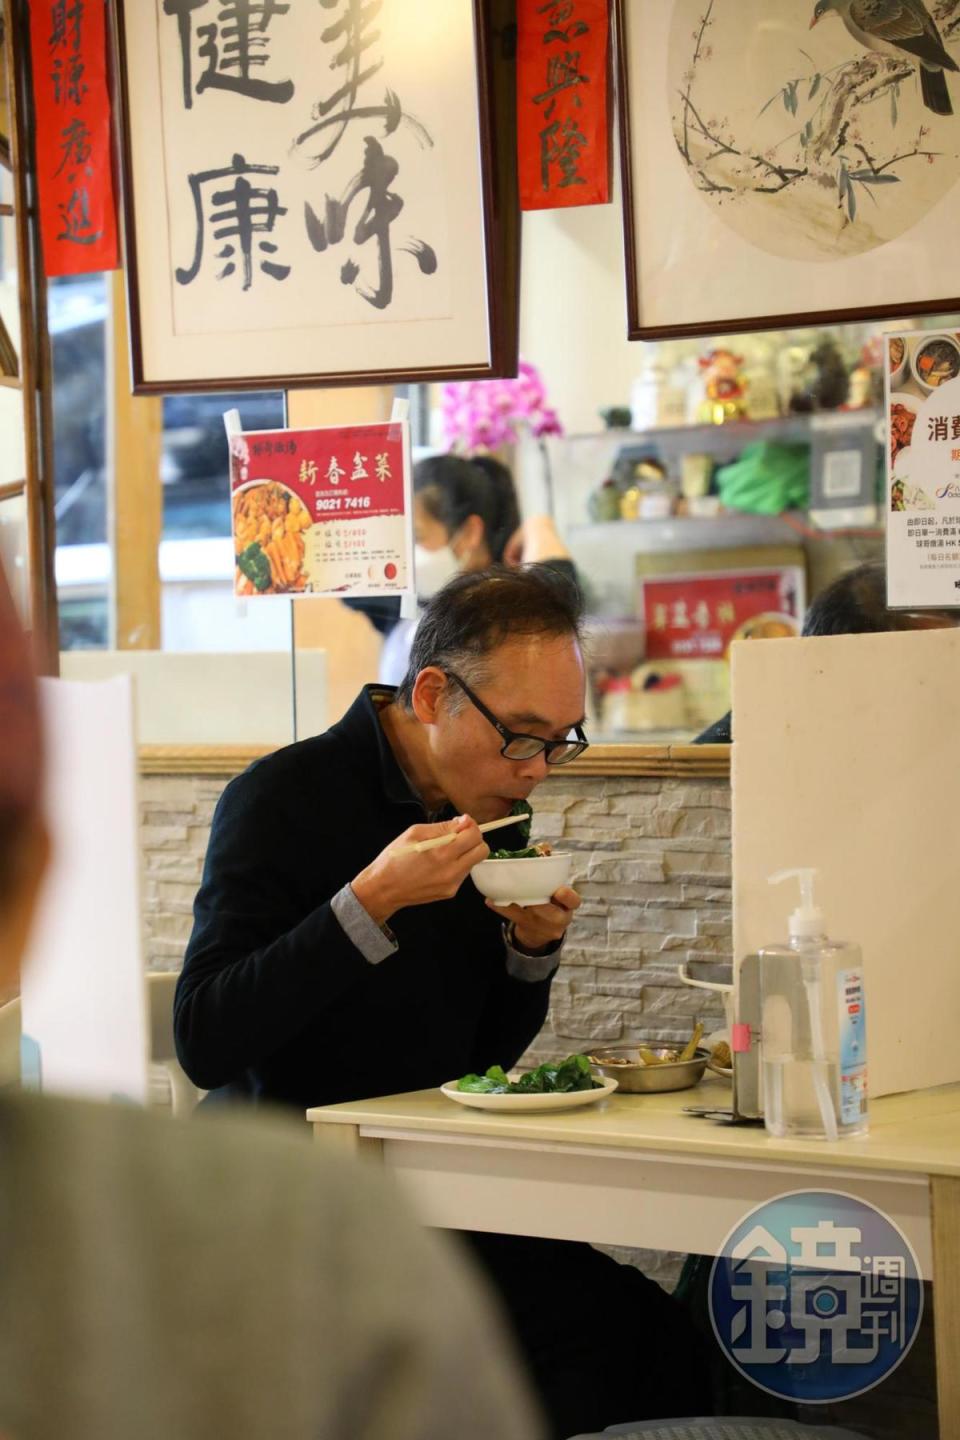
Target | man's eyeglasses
(524,747)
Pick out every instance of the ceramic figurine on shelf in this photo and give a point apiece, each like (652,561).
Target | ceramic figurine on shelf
(725,392)
(862,383)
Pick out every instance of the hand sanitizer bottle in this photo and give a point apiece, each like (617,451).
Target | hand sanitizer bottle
(814,1052)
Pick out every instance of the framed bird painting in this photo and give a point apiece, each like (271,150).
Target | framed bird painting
(788,164)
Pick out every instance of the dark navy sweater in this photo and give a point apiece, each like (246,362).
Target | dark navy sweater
(274,999)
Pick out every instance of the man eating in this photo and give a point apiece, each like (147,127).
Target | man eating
(329,961)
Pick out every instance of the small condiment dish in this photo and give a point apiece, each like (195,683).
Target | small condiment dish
(635,1078)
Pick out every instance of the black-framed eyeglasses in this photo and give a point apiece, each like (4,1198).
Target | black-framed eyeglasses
(517,746)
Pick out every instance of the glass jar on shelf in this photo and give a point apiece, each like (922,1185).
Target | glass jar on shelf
(650,493)
(604,503)
(760,383)
(646,397)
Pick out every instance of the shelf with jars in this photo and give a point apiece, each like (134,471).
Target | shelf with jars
(662,472)
(670,525)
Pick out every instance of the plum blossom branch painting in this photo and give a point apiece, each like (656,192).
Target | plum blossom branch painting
(788,165)
(313,193)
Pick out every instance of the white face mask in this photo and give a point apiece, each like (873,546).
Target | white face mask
(432,569)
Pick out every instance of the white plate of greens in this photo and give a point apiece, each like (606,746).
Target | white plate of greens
(556,1085)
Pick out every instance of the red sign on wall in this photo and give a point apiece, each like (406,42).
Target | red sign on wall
(322,512)
(563,99)
(695,617)
(77,211)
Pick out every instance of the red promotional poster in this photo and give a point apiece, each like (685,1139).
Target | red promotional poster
(78,219)
(563,99)
(697,617)
(322,512)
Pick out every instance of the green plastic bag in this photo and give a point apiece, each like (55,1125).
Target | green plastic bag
(768,478)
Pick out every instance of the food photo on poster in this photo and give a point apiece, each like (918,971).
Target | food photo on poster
(322,512)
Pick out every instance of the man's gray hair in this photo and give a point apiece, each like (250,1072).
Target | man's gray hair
(476,613)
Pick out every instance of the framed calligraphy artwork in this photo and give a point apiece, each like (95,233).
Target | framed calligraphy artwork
(563,110)
(787,167)
(315,192)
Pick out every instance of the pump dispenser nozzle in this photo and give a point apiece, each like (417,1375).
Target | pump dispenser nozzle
(807,920)
(807,923)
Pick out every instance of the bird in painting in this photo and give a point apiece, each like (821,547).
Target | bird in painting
(902,30)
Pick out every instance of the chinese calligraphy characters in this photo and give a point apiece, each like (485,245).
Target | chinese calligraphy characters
(238,213)
(697,616)
(944,427)
(234,47)
(70,90)
(66,51)
(309,473)
(316,192)
(381,210)
(231,39)
(563,101)
(72,106)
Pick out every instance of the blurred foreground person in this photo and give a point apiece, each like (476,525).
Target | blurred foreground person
(230,1280)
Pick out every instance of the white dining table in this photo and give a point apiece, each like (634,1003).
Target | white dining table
(636,1170)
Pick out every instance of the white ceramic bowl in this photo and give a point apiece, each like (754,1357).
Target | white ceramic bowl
(920,346)
(523,882)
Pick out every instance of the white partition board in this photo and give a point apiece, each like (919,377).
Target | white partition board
(84,991)
(847,758)
(201,698)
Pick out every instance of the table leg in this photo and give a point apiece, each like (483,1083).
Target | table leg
(945,1215)
(348,1140)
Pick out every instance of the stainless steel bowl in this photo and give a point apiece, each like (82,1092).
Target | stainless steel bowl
(638,1079)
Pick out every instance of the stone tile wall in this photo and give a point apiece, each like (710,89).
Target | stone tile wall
(652,864)
(653,867)
(175,812)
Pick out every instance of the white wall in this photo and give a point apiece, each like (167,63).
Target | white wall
(573,310)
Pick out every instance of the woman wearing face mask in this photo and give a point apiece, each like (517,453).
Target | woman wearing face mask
(466,517)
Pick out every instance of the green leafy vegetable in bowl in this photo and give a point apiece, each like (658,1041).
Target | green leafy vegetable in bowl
(533,852)
(253,563)
(524,816)
(530,852)
(555,1077)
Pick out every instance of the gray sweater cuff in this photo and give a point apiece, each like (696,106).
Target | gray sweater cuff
(374,943)
(530,967)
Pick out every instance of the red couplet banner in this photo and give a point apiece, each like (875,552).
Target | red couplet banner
(563,103)
(78,221)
